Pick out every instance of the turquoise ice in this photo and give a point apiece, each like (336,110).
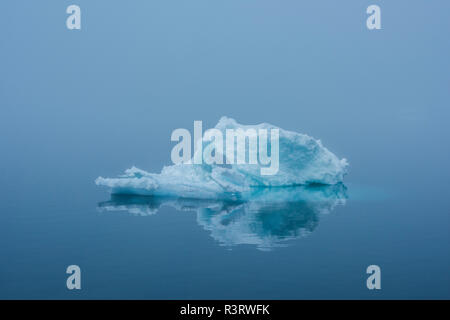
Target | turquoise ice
(303,160)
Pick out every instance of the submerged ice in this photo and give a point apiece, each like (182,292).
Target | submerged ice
(303,160)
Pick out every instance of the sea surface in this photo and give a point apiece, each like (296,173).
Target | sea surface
(78,104)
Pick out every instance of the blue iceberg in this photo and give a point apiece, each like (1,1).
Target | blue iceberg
(303,161)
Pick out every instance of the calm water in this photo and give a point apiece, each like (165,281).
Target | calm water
(75,105)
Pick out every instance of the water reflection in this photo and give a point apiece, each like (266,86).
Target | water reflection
(265,217)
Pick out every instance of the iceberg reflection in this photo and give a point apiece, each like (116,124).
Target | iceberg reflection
(264,217)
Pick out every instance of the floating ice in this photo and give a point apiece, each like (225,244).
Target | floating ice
(302,161)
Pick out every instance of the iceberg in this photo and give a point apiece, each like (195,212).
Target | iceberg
(303,161)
